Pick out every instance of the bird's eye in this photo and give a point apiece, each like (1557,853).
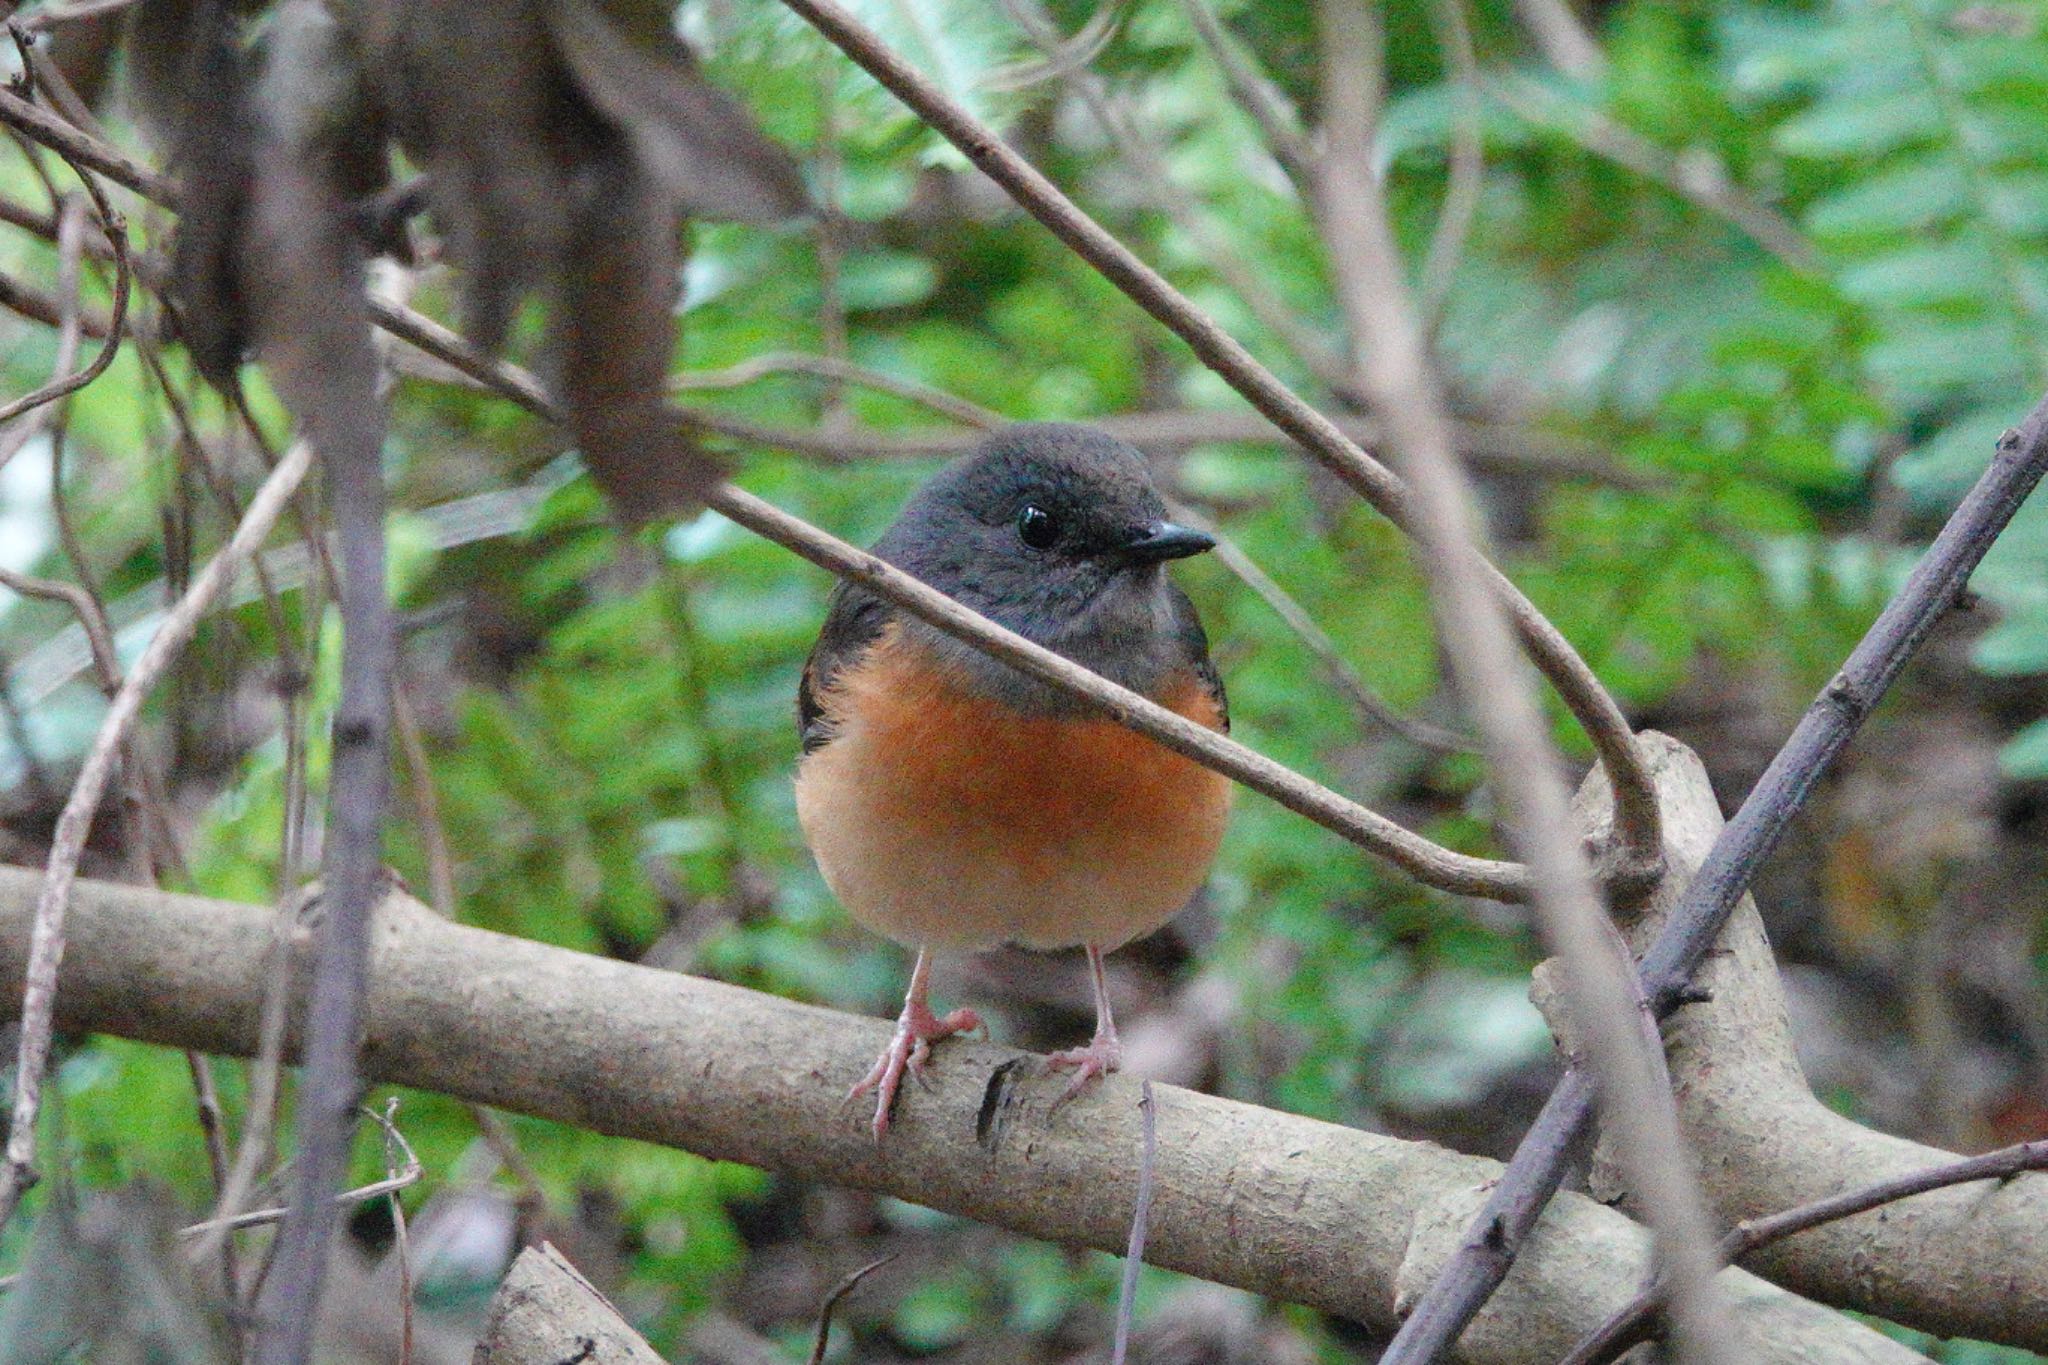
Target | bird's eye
(1036,527)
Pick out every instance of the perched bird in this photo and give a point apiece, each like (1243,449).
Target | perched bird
(955,803)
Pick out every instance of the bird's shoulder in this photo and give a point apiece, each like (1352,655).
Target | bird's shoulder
(854,621)
(1194,642)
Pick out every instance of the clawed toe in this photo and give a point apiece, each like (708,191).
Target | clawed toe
(908,1053)
(1089,1063)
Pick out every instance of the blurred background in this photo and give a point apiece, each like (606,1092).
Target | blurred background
(1732,300)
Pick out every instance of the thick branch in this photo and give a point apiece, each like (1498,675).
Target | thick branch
(1964,1261)
(546,1313)
(1538,1167)
(1281,1205)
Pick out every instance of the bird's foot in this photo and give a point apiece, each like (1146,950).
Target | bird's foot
(1104,1054)
(917,1028)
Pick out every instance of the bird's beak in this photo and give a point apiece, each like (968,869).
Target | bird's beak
(1164,540)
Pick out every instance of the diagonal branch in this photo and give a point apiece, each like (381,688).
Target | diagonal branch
(1394,373)
(1421,859)
(1637,1323)
(1595,710)
(1533,1176)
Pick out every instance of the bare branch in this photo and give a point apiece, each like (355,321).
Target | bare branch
(1420,858)
(1697,176)
(832,1302)
(116,233)
(1258,97)
(1467,163)
(1637,1323)
(1141,1214)
(1281,1205)
(1394,374)
(1582,692)
(1146,165)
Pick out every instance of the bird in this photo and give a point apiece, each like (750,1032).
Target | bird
(955,803)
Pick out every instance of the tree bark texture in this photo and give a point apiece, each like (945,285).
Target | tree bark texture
(1272,1202)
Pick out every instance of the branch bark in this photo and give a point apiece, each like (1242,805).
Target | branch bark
(546,1313)
(1393,371)
(1274,1203)
(1710,896)
(1964,1261)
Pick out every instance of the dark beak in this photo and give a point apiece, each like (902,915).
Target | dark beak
(1163,540)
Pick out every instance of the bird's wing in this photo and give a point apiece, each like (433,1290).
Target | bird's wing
(854,622)
(1187,627)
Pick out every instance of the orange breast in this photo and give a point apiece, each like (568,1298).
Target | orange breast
(940,818)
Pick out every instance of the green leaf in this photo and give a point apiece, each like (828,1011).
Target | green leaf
(2025,755)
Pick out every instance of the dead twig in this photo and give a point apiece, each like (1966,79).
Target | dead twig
(1696,176)
(1141,1213)
(1640,854)
(1489,1247)
(116,232)
(832,1300)
(1145,163)
(1394,374)
(46,951)
(1260,98)
(1637,1323)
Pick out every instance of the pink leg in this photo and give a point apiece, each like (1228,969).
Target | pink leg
(917,1028)
(1104,1052)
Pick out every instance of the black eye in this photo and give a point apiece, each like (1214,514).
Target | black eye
(1036,527)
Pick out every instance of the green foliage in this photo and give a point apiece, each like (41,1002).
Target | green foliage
(607,717)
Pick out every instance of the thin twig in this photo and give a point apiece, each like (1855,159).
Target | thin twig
(401,1242)
(1258,97)
(266,1078)
(1488,1248)
(1141,1214)
(426,803)
(1637,1322)
(1372,707)
(1425,861)
(1145,164)
(1640,854)
(46,944)
(70,305)
(830,246)
(390,1184)
(1467,162)
(831,1304)
(37,306)
(1394,374)
(117,234)
(1695,176)
(838,370)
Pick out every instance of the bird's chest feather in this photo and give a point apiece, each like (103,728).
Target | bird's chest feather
(941,816)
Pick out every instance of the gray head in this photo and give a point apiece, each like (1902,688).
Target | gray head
(1059,533)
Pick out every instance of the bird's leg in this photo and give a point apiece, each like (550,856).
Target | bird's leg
(1104,1053)
(917,1028)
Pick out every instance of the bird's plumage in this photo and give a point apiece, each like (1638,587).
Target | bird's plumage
(955,802)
